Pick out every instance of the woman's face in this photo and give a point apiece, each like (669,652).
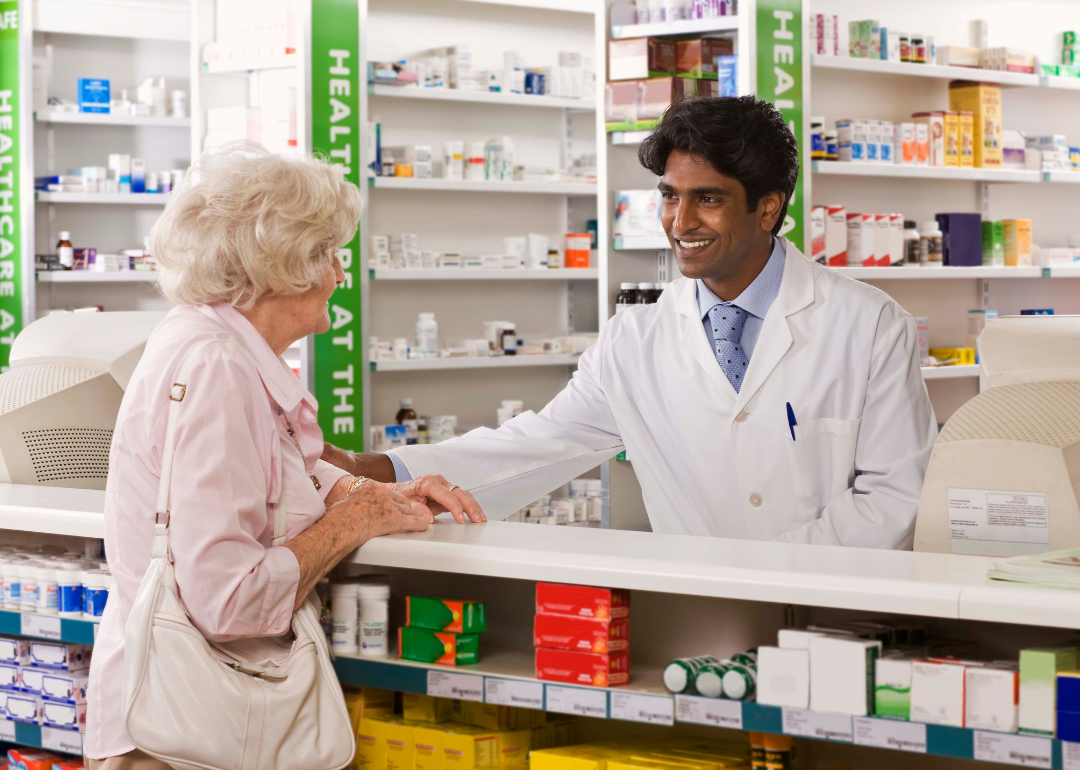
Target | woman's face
(313,306)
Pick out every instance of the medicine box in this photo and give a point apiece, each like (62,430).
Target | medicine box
(937,692)
(428,748)
(952,139)
(835,256)
(873,140)
(1039,668)
(983,100)
(992,698)
(961,239)
(892,687)
(371,744)
(882,240)
(582,601)
(697,58)
(817,234)
(490,716)
(959,56)
(66,716)
(905,151)
(922,144)
(860,240)
(435,614)
(586,634)
(842,674)
(1016,238)
(24,707)
(426,646)
(796,638)
(94,95)
(583,668)
(59,656)
(1068,706)
(783,677)
(466,747)
(31,680)
(16,651)
(9,677)
(31,759)
(642,57)
(399,744)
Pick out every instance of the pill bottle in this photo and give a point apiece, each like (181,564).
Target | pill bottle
(905,46)
(454,160)
(645,294)
(832,145)
(509,340)
(102,597)
(911,243)
(918,48)
(474,162)
(407,416)
(344,616)
(930,244)
(779,751)
(427,336)
(757,751)
(626,297)
(13,584)
(70,594)
(65,251)
(374,594)
(48,591)
(709,680)
(817,138)
(91,583)
(739,682)
(29,600)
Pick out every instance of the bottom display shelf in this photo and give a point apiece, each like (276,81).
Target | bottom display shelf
(506,678)
(38,737)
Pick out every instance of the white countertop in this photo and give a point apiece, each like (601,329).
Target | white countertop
(926,584)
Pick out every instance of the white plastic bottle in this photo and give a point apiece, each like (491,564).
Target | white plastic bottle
(374,617)
(343,617)
(29,600)
(427,336)
(48,590)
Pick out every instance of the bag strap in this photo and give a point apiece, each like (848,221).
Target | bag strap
(177,391)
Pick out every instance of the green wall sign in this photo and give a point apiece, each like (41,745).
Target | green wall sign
(11,223)
(335,135)
(779,47)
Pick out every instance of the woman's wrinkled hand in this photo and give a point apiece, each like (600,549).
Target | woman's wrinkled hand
(433,495)
(376,509)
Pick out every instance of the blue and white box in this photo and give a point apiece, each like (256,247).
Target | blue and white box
(138,175)
(94,95)
(14,651)
(9,677)
(59,656)
(30,680)
(63,687)
(66,716)
(24,707)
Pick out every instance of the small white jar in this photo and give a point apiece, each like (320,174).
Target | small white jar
(344,617)
(28,601)
(70,594)
(374,617)
(48,590)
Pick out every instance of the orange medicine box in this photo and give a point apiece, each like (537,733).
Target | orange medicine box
(582,668)
(565,632)
(582,601)
(32,759)
(952,139)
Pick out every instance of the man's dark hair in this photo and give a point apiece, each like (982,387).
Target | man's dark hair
(743,137)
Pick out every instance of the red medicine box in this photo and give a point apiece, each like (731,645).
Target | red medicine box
(564,632)
(583,668)
(582,601)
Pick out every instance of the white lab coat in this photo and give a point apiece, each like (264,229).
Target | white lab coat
(715,462)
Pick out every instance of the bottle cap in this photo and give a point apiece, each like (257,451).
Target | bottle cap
(646,286)
(627,286)
(373,591)
(65,235)
(909,224)
(406,402)
(928,227)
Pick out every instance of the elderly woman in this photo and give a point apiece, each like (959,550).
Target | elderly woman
(246,249)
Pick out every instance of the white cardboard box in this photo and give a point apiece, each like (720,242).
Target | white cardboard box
(795,638)
(993,699)
(937,693)
(842,674)
(783,677)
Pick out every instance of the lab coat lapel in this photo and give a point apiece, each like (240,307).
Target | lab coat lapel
(694,340)
(796,292)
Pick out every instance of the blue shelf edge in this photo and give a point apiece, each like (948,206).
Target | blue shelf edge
(72,631)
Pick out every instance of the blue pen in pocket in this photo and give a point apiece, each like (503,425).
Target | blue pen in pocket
(791,420)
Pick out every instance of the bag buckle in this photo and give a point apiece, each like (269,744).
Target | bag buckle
(172,392)
(168,518)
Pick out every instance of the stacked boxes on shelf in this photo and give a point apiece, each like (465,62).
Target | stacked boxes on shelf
(44,683)
(442,631)
(582,635)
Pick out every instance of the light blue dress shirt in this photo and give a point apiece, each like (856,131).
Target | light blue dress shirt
(756,300)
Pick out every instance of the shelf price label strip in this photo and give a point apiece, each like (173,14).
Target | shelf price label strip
(520,693)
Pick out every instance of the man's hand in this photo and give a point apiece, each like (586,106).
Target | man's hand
(375,465)
(434,494)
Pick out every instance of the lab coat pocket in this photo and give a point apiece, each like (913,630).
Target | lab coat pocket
(822,460)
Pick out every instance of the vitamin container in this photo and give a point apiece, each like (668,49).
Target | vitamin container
(95,593)
(48,591)
(344,617)
(13,584)
(626,297)
(70,591)
(427,335)
(374,595)
(680,673)
(29,597)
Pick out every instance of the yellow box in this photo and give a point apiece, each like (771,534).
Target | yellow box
(983,100)
(1017,242)
(426,708)
(582,757)
(429,748)
(367,702)
(514,747)
(967,140)
(564,732)
(466,747)
(399,744)
(371,745)
(486,715)
(954,356)
(648,763)
(952,139)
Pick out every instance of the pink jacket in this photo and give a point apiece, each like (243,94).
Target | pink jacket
(231,449)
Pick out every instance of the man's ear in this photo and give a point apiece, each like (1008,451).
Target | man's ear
(769,209)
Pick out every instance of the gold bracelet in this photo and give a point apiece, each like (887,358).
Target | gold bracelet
(357,481)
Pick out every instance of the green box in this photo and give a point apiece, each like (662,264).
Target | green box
(437,614)
(892,688)
(1068,56)
(993,244)
(1039,667)
(1068,38)
(1051,70)
(853,40)
(425,646)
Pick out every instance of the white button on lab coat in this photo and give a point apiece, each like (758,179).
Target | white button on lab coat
(715,462)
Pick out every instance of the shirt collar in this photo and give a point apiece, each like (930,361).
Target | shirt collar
(278,378)
(756,298)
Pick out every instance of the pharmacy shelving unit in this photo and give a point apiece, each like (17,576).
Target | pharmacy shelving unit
(523,274)
(124,42)
(689,596)
(473,362)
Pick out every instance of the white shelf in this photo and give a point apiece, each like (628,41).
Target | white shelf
(924,70)
(1065,272)
(137,199)
(950,372)
(1068,177)
(931,273)
(1069,84)
(571,6)
(108,119)
(670,28)
(462,274)
(135,19)
(619,138)
(285,61)
(474,362)
(52,510)
(924,172)
(91,276)
(481,97)
(454,185)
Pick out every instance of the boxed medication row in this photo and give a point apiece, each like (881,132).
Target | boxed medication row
(647,57)
(638,104)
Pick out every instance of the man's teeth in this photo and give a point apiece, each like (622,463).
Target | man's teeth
(694,244)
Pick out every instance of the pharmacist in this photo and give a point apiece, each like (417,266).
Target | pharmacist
(762,397)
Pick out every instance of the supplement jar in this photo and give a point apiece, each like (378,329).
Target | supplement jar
(374,594)
(344,616)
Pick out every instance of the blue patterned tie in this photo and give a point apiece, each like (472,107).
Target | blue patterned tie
(727,324)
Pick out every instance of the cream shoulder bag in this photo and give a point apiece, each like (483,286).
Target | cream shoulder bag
(253,704)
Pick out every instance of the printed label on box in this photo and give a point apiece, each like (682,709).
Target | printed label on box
(7,730)
(56,739)
(634,707)
(43,626)
(890,734)
(1070,755)
(811,724)
(577,700)
(715,712)
(981,516)
(443,684)
(1024,750)
(513,692)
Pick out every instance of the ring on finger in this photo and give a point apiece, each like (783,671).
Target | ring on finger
(453,487)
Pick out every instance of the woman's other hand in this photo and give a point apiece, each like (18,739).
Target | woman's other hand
(434,494)
(375,509)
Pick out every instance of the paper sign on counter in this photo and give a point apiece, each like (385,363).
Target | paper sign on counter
(579,701)
(890,734)
(1025,750)
(715,712)
(636,707)
(514,692)
(811,724)
(1016,520)
(55,739)
(42,626)
(1070,755)
(443,684)
(7,730)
